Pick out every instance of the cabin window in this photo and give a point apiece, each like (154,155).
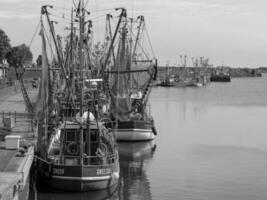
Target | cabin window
(70,136)
(94,135)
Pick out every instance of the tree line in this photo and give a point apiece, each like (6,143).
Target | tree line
(17,56)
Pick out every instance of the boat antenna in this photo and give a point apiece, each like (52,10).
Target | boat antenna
(81,57)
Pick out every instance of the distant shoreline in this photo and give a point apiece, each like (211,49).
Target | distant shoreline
(234,72)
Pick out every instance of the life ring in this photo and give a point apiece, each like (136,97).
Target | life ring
(72,148)
(102,150)
(102,153)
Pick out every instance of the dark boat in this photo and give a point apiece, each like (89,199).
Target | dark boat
(221,74)
(130,74)
(166,83)
(220,78)
(76,151)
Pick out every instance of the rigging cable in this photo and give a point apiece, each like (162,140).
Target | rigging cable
(49,42)
(26,97)
(74,4)
(140,44)
(149,40)
(86,4)
(37,28)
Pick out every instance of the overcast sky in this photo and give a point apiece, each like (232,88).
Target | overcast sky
(229,32)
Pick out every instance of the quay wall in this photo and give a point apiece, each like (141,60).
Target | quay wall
(9,186)
(8,91)
(16,166)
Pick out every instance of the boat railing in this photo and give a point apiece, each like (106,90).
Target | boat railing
(87,160)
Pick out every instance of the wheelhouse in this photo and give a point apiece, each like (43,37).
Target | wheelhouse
(67,147)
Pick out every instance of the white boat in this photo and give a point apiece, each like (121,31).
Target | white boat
(130,75)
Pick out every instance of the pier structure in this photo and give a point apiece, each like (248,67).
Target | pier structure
(15,163)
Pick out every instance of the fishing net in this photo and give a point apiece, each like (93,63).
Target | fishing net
(129,84)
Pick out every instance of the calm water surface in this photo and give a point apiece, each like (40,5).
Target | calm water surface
(211,144)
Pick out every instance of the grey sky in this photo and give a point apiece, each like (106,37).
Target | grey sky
(233,32)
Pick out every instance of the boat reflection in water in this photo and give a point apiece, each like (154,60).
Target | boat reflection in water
(110,193)
(133,181)
(134,158)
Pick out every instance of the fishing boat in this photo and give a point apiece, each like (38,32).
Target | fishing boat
(201,76)
(166,83)
(75,150)
(220,74)
(130,74)
(220,77)
(168,80)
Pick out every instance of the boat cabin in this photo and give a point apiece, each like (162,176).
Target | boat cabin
(68,148)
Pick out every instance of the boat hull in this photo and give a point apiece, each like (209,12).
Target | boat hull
(135,131)
(135,134)
(82,185)
(82,178)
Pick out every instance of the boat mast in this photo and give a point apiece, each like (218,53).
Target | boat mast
(123,14)
(81,59)
(71,36)
(81,56)
(131,50)
(110,35)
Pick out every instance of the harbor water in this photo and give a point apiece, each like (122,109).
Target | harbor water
(211,144)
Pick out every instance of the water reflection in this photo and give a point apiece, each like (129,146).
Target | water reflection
(43,193)
(134,158)
(49,194)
